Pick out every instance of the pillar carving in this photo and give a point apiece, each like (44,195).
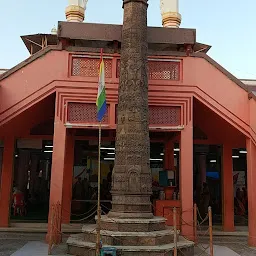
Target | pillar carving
(132,182)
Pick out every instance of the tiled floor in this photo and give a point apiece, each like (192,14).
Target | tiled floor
(24,244)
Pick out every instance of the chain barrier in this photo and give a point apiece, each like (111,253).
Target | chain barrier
(201,246)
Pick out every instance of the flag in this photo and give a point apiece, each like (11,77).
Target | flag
(101,98)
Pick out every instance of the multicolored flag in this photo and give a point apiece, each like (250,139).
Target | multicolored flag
(101,98)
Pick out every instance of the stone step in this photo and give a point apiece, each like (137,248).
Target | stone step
(132,225)
(77,246)
(117,238)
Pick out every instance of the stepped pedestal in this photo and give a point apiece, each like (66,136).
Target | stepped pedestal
(140,237)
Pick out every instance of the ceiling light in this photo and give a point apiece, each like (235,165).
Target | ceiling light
(109,159)
(235,156)
(107,148)
(48,151)
(176,149)
(48,146)
(111,153)
(152,159)
(213,161)
(243,152)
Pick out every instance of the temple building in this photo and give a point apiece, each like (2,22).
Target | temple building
(202,124)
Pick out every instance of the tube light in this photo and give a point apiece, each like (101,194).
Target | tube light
(235,156)
(162,154)
(48,146)
(243,152)
(213,161)
(176,149)
(109,159)
(107,148)
(48,151)
(152,159)
(111,153)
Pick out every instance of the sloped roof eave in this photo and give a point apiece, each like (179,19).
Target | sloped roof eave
(29,60)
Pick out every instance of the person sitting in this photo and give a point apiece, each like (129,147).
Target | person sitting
(18,203)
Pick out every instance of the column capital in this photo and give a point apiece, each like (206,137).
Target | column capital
(75,10)
(171,17)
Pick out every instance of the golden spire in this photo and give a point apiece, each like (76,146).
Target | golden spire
(75,10)
(171,17)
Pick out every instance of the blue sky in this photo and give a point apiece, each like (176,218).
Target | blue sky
(227,25)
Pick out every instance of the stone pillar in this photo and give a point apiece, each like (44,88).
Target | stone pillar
(186,180)
(251,178)
(169,155)
(132,181)
(68,178)
(57,172)
(227,190)
(6,181)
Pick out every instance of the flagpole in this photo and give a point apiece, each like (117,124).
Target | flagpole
(98,245)
(98,202)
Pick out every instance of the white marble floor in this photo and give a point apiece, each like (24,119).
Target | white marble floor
(35,248)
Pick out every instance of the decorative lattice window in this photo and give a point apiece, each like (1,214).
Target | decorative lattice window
(84,113)
(164,70)
(162,115)
(165,115)
(89,67)
(159,70)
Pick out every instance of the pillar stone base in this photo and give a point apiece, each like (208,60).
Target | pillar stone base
(141,237)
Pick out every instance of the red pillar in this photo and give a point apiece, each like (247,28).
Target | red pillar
(57,172)
(227,190)
(68,178)
(6,181)
(169,155)
(251,178)
(186,181)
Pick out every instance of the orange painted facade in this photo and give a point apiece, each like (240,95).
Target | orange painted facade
(44,88)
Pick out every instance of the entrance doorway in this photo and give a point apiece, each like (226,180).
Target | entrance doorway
(31,184)
(208,169)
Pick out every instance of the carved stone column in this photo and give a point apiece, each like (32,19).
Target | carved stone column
(132,182)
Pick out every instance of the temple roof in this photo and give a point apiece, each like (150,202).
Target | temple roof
(37,42)
(106,32)
(158,37)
